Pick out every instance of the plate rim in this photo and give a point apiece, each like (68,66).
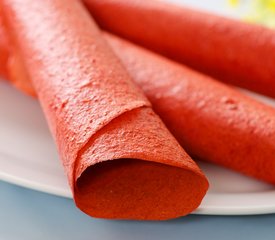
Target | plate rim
(209,205)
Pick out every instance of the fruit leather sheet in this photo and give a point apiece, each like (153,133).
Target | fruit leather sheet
(238,53)
(121,161)
(224,126)
(211,120)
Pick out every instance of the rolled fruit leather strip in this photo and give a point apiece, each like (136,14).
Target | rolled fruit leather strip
(211,120)
(224,126)
(229,50)
(121,161)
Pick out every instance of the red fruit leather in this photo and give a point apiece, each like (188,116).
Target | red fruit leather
(3,51)
(211,121)
(10,65)
(224,126)
(238,53)
(121,161)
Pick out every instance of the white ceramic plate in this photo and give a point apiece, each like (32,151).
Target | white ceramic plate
(28,157)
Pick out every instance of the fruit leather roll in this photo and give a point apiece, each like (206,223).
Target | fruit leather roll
(237,53)
(213,121)
(224,126)
(121,161)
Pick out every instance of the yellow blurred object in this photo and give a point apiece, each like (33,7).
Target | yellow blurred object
(234,3)
(259,11)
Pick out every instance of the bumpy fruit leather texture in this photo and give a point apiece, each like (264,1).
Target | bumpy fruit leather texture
(121,161)
(224,126)
(238,53)
(211,121)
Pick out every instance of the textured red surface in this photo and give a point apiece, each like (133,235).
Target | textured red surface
(3,50)
(211,120)
(120,159)
(224,126)
(232,51)
(17,75)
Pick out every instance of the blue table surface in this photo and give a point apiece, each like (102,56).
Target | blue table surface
(28,214)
